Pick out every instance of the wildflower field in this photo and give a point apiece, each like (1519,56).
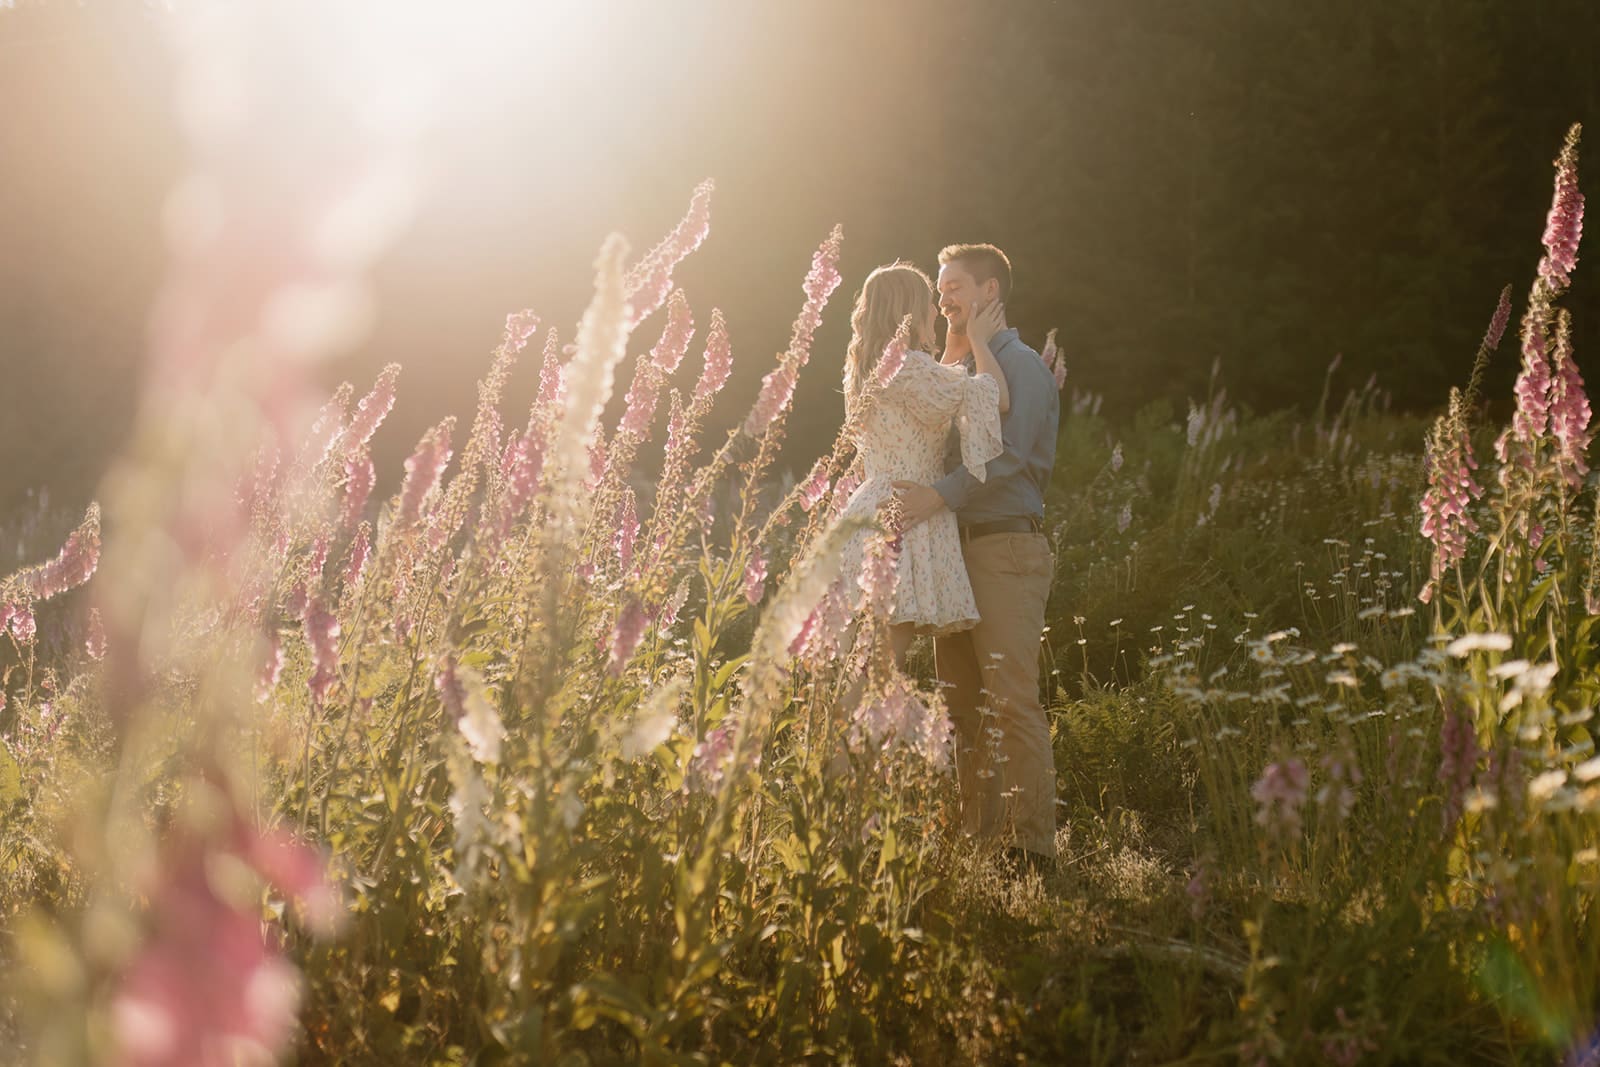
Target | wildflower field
(535,761)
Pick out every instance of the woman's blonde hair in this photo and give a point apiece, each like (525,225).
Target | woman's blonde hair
(889,294)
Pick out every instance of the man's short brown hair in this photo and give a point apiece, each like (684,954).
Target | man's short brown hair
(982,262)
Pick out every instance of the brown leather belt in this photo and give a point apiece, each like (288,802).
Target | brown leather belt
(1027,524)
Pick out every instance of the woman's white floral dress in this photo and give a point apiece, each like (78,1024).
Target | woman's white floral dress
(902,438)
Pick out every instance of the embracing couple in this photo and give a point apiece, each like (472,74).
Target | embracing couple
(963,442)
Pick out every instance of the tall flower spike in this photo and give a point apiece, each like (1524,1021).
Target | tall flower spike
(590,375)
(821,281)
(1486,348)
(423,468)
(777,391)
(718,360)
(675,336)
(650,280)
(894,353)
(372,410)
(1564,225)
(520,325)
(73,565)
(1451,490)
(1569,407)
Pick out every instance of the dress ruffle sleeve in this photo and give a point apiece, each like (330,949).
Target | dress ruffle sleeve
(978,422)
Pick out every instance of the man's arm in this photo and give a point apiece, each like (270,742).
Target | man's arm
(1031,395)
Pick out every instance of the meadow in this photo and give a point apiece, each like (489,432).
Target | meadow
(530,762)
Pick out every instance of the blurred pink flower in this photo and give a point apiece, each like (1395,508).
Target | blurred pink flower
(360,550)
(879,574)
(630,628)
(359,478)
(674,604)
(1458,761)
(322,635)
(271,667)
(755,576)
(208,987)
(372,410)
(1279,794)
(626,524)
(552,376)
(94,637)
(1564,225)
(708,765)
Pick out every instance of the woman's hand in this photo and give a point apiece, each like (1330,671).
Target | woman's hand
(983,324)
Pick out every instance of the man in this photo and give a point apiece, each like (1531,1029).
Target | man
(991,673)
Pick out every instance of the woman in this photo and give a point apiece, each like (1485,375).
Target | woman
(901,428)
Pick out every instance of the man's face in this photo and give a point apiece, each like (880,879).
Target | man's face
(960,295)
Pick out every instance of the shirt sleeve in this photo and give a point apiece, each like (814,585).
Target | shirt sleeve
(937,396)
(1029,408)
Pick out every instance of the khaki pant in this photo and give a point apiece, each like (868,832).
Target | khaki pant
(990,673)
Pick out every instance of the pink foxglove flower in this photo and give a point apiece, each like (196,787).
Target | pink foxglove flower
(1451,490)
(821,281)
(1342,777)
(359,478)
(879,574)
(650,280)
(844,490)
(1569,407)
(73,565)
(640,409)
(675,336)
(755,576)
(625,638)
(1564,225)
(1280,793)
(423,469)
(552,376)
(815,487)
(669,611)
(360,551)
(372,410)
(708,765)
(718,360)
(894,354)
(322,635)
(520,468)
(777,391)
(22,625)
(520,325)
(208,987)
(626,524)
